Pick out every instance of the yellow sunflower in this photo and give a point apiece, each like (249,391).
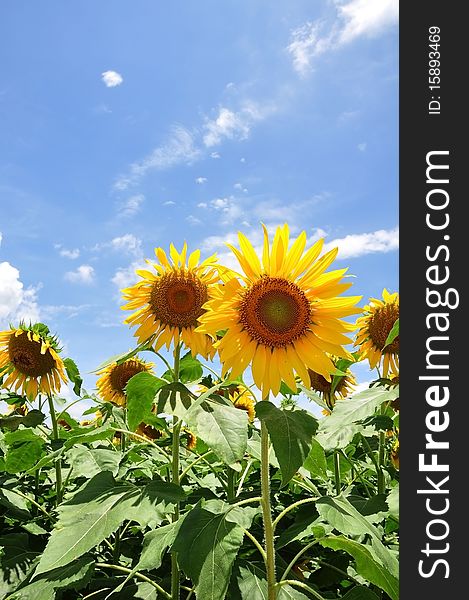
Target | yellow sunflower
(114,378)
(374,327)
(282,315)
(343,388)
(168,303)
(30,361)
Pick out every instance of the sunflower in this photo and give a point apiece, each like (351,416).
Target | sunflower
(282,315)
(114,378)
(29,358)
(191,439)
(148,431)
(343,388)
(374,327)
(240,395)
(168,303)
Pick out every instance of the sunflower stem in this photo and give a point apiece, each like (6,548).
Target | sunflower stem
(175,575)
(382,445)
(231,494)
(338,486)
(57,462)
(267,514)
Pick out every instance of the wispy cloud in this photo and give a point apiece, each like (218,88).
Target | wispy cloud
(111,78)
(229,124)
(84,274)
(354,245)
(16,302)
(67,253)
(353,19)
(131,206)
(125,276)
(178,148)
(201,180)
(127,243)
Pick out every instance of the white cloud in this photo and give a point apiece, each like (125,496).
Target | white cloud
(214,155)
(16,302)
(234,125)
(354,245)
(125,276)
(229,209)
(131,206)
(362,146)
(179,148)
(353,19)
(127,243)
(200,180)
(66,253)
(169,203)
(83,274)
(242,159)
(193,220)
(111,78)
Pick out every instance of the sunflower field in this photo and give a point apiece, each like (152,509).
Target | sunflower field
(196,471)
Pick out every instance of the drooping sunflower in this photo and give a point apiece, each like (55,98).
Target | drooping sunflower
(30,361)
(374,327)
(323,387)
(282,315)
(114,378)
(168,303)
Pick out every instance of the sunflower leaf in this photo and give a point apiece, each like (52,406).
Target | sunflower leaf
(141,390)
(74,375)
(190,369)
(291,432)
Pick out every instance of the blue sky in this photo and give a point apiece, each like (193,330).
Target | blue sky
(130,125)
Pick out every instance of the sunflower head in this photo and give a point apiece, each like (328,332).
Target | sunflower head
(29,358)
(148,431)
(344,387)
(282,315)
(114,378)
(169,300)
(191,439)
(373,330)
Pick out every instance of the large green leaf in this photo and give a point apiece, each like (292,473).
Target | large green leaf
(87,462)
(393,502)
(154,545)
(24,451)
(16,560)
(291,432)
(73,576)
(253,587)
(32,419)
(367,566)
(344,517)
(85,435)
(316,462)
(207,545)
(73,375)
(96,511)
(190,369)
(222,427)
(338,429)
(141,390)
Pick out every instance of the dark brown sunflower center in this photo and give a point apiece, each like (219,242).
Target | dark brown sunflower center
(177,299)
(320,383)
(26,355)
(380,326)
(275,312)
(121,374)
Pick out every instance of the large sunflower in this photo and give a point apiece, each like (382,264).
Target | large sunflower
(374,327)
(282,315)
(168,303)
(114,378)
(29,358)
(323,387)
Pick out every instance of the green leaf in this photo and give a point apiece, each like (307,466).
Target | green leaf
(73,576)
(344,517)
(73,375)
(90,516)
(392,335)
(16,560)
(190,369)
(253,587)
(369,506)
(291,432)
(207,545)
(366,565)
(22,435)
(13,502)
(154,545)
(141,390)
(22,457)
(89,434)
(174,399)
(222,427)
(393,502)
(32,419)
(338,429)
(87,462)
(360,592)
(316,462)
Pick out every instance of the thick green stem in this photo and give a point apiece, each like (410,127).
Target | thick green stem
(57,462)
(267,514)
(231,494)
(175,478)
(382,446)
(338,486)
